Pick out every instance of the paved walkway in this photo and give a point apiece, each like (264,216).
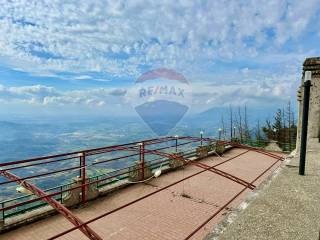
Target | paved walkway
(170,214)
(287,209)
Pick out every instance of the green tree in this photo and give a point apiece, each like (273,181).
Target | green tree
(277,126)
(282,129)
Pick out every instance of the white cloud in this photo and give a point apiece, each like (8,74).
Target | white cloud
(119,36)
(83,77)
(49,96)
(204,40)
(249,87)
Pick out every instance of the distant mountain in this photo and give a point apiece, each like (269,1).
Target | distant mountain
(30,138)
(253,113)
(9,124)
(161,115)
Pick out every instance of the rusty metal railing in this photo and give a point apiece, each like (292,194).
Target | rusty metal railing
(86,159)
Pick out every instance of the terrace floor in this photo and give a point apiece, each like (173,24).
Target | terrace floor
(286,209)
(173,213)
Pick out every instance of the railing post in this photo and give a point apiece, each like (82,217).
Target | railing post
(83,176)
(2,216)
(142,159)
(61,194)
(176,137)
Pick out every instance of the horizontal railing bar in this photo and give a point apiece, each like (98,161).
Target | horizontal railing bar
(75,152)
(136,154)
(113,148)
(40,163)
(73,188)
(46,190)
(44,174)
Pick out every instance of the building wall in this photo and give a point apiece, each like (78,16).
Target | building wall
(313,65)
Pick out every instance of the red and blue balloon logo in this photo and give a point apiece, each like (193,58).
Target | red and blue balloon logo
(161,97)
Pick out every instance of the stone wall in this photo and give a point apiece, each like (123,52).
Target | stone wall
(313,65)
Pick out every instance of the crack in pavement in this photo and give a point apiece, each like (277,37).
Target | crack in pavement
(187,196)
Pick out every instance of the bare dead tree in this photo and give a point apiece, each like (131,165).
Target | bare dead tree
(223,128)
(240,125)
(231,122)
(286,129)
(289,124)
(258,134)
(246,125)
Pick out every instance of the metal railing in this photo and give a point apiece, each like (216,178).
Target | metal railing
(114,162)
(84,163)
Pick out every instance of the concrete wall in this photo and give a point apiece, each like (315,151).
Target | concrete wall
(313,65)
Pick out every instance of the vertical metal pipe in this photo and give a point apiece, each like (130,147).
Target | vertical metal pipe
(142,160)
(2,213)
(80,162)
(304,129)
(61,194)
(176,144)
(83,176)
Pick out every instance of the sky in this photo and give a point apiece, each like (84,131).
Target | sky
(81,57)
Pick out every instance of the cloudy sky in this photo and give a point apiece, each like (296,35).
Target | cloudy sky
(82,56)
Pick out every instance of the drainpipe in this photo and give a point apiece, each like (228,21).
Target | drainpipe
(304,127)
